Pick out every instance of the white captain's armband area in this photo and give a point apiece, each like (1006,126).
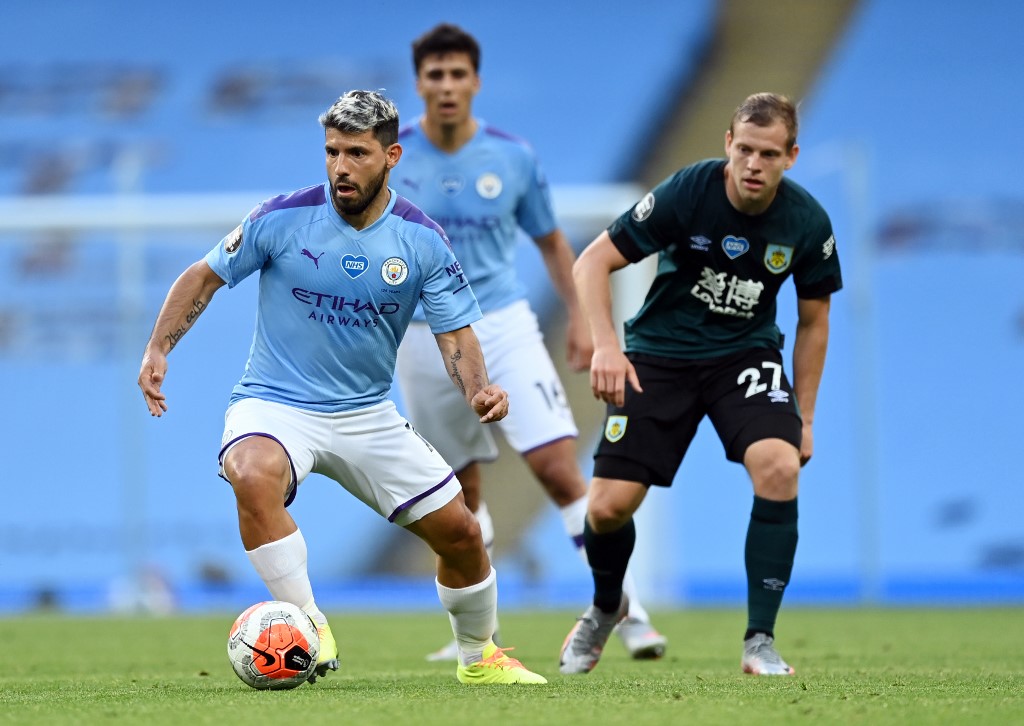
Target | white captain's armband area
(233,240)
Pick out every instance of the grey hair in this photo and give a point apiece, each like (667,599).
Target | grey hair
(358,111)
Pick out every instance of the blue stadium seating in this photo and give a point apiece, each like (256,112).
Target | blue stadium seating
(224,97)
(914,494)
(907,139)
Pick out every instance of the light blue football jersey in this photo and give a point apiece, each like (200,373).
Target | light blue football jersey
(479,195)
(335,302)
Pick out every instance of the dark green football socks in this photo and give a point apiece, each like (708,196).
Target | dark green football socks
(608,555)
(770,549)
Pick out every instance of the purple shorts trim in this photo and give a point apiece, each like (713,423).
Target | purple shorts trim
(293,488)
(419,497)
(546,443)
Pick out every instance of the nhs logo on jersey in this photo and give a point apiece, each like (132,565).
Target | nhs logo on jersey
(452,184)
(354,266)
(734,246)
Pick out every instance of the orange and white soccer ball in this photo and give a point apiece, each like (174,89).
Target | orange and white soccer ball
(273,645)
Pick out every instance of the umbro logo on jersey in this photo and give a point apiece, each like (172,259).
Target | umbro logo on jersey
(700,243)
(316,260)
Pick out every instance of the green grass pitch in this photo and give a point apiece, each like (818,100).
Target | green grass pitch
(870,666)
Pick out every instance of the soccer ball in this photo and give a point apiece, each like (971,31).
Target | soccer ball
(273,645)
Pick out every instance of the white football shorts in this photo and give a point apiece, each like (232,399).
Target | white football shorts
(516,359)
(372,452)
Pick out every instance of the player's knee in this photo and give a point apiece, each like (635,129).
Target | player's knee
(256,484)
(560,476)
(468,531)
(563,483)
(607,515)
(462,538)
(777,478)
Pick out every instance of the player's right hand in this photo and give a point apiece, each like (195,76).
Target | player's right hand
(610,370)
(490,403)
(806,444)
(151,377)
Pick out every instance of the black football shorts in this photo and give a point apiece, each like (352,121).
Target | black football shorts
(746,395)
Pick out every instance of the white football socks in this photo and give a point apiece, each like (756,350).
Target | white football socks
(282,567)
(483,516)
(473,612)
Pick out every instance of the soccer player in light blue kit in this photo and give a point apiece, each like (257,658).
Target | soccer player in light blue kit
(483,185)
(342,267)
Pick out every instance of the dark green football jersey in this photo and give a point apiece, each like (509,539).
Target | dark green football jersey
(719,270)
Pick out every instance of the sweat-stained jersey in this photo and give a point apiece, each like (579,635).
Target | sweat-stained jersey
(719,270)
(335,302)
(479,195)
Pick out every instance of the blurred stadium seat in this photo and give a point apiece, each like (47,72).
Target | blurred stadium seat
(223,98)
(913,495)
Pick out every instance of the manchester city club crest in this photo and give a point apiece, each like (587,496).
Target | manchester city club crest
(394,271)
(777,258)
(615,428)
(488,185)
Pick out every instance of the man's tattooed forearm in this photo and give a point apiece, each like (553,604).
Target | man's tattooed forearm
(455,373)
(198,306)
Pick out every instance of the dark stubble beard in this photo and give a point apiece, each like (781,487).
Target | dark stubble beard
(359,204)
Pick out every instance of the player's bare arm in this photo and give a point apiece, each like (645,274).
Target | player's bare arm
(808,362)
(188,297)
(558,257)
(609,368)
(464,361)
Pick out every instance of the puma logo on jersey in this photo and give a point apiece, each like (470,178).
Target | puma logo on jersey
(316,260)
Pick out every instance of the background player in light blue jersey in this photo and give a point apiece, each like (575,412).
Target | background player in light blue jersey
(482,185)
(342,267)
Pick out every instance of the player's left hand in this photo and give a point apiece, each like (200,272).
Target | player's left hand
(151,378)
(806,444)
(490,403)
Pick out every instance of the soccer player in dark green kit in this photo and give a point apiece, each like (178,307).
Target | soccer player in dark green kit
(705,343)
